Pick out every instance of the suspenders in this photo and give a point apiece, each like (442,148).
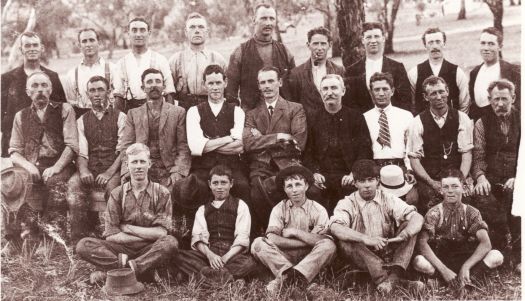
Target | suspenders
(156,191)
(107,75)
(152,64)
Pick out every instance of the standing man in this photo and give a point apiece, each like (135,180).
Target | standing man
(304,83)
(296,247)
(138,218)
(274,136)
(496,142)
(338,136)
(258,52)
(160,126)
(493,68)
(91,65)
(377,231)
(434,41)
(215,133)
(358,75)
(44,142)
(187,66)
(99,132)
(14,96)
(389,127)
(220,236)
(128,92)
(440,138)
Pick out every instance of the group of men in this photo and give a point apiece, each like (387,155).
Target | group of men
(314,158)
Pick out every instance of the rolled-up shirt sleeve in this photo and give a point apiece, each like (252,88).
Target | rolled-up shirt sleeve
(342,213)
(276,221)
(196,139)
(113,214)
(121,123)
(70,130)
(16,144)
(401,210)
(164,208)
(431,221)
(415,139)
(242,226)
(199,232)
(465,133)
(83,147)
(321,223)
(238,126)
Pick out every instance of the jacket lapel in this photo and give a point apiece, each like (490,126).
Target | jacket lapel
(163,116)
(280,106)
(263,118)
(143,117)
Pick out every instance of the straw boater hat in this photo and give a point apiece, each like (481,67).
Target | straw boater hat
(393,180)
(122,282)
(14,184)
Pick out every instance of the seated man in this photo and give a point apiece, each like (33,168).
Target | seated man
(44,141)
(454,238)
(220,236)
(138,218)
(377,231)
(295,248)
(98,162)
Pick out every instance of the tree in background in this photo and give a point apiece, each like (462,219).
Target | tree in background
(462,15)
(496,7)
(386,11)
(350,18)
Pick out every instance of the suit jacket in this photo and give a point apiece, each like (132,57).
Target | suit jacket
(302,89)
(509,71)
(288,117)
(357,95)
(173,142)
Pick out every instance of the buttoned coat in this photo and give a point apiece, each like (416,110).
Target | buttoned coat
(173,142)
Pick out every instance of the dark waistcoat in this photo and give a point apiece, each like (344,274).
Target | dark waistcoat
(102,138)
(221,224)
(448,73)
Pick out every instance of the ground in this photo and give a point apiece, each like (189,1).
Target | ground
(46,273)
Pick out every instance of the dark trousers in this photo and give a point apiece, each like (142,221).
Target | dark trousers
(146,254)
(334,191)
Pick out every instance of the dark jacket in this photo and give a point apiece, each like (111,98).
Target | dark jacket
(509,71)
(302,89)
(14,98)
(353,135)
(357,95)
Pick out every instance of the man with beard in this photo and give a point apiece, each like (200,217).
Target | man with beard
(493,68)
(496,142)
(91,65)
(44,142)
(14,96)
(187,66)
(138,218)
(304,83)
(128,92)
(160,126)
(434,41)
(357,77)
(258,52)
(338,136)
(439,138)
(98,163)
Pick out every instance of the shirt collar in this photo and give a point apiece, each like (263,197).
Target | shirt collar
(103,111)
(203,51)
(148,190)
(452,206)
(304,205)
(216,105)
(362,201)
(273,104)
(436,117)
(386,109)
(98,62)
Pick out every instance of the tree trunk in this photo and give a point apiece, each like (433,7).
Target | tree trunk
(389,22)
(350,18)
(496,7)
(512,3)
(14,54)
(462,15)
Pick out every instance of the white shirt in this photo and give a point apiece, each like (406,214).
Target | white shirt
(85,72)
(399,121)
(82,141)
(371,67)
(486,75)
(196,139)
(200,232)
(131,66)
(318,72)
(461,82)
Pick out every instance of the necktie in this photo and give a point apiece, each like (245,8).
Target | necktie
(384,134)
(270,109)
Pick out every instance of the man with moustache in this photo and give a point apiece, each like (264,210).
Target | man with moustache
(99,132)
(357,77)
(160,126)
(274,136)
(220,235)
(138,218)
(91,65)
(377,231)
(258,52)
(496,141)
(304,83)
(128,92)
(434,41)
(13,94)
(440,137)
(388,126)
(44,142)
(187,66)
(215,134)
(454,240)
(493,68)
(338,136)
